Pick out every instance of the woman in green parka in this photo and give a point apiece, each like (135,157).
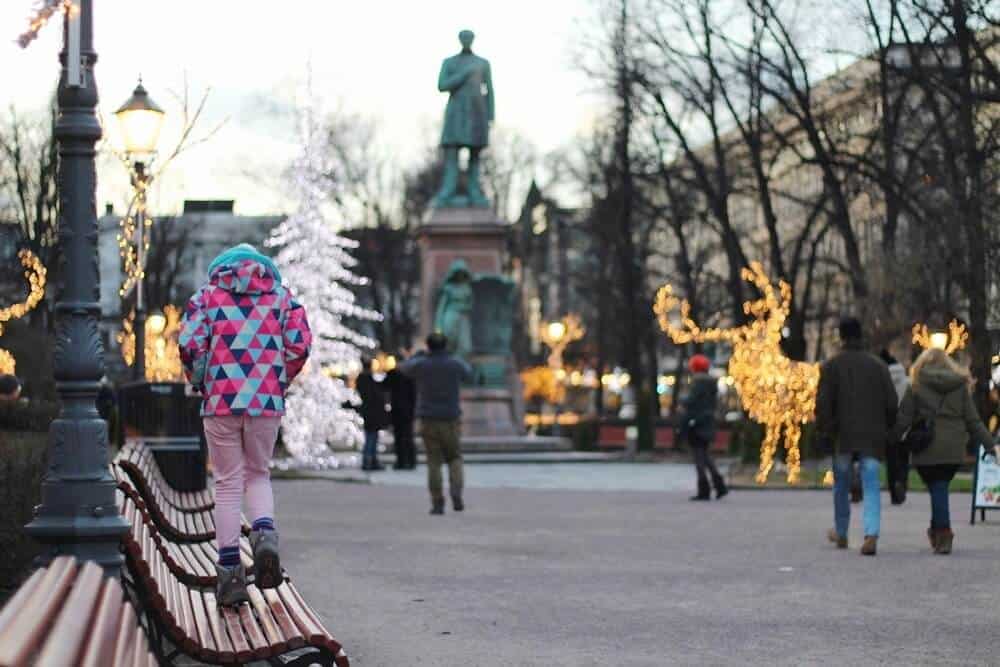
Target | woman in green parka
(941,387)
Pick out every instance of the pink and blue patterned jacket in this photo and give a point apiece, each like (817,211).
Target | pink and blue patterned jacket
(243,340)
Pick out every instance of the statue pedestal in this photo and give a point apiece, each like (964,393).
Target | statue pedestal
(489,412)
(476,235)
(479,237)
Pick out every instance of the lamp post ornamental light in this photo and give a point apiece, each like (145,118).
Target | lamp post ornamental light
(140,120)
(558,334)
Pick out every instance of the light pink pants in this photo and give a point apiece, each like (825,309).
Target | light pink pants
(241,448)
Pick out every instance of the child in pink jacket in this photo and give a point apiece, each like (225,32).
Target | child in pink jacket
(244,339)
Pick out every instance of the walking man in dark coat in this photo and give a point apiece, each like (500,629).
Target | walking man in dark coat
(373,414)
(439,377)
(698,427)
(403,401)
(855,409)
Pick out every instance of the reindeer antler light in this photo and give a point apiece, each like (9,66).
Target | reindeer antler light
(955,339)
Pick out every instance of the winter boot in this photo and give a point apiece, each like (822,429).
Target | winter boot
(721,490)
(456,502)
(833,537)
(231,585)
(932,537)
(266,561)
(437,506)
(704,491)
(870,545)
(944,539)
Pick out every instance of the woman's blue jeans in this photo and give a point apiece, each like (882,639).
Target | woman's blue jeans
(870,486)
(940,514)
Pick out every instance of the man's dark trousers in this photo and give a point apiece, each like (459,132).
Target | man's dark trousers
(406,454)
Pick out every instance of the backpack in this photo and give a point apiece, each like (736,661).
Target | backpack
(921,433)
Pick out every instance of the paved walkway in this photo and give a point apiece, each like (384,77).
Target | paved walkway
(559,577)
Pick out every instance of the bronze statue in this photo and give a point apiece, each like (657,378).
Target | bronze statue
(467,79)
(454,309)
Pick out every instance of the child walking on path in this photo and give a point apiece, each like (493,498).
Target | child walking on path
(244,339)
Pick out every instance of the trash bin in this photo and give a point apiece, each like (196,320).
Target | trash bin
(168,421)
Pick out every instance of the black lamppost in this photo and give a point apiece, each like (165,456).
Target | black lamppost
(140,120)
(78,514)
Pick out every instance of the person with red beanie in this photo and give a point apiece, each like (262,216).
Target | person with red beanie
(697,425)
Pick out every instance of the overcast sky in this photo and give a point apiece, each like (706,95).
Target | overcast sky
(375,57)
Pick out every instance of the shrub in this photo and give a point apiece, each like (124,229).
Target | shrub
(34,416)
(22,465)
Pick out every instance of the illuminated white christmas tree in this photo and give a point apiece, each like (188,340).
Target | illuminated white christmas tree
(316,263)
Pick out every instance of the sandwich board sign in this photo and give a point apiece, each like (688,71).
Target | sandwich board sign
(985,483)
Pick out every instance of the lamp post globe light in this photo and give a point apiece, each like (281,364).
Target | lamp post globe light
(78,514)
(140,120)
(558,334)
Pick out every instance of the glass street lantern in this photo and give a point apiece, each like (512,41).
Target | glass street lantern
(140,120)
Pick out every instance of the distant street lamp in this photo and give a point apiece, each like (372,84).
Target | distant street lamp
(140,120)
(558,334)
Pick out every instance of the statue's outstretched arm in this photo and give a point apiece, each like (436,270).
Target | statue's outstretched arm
(449,79)
(489,92)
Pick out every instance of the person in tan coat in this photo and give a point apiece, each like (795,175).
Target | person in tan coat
(941,387)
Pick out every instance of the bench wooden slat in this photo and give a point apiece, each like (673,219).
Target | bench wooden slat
(25,632)
(232,620)
(140,656)
(70,630)
(306,625)
(20,597)
(288,628)
(271,632)
(186,613)
(225,646)
(127,626)
(254,636)
(210,649)
(100,649)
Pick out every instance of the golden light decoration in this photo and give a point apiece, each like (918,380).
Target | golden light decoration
(163,361)
(35,274)
(383,363)
(132,268)
(558,335)
(43,13)
(775,391)
(7,365)
(540,382)
(951,341)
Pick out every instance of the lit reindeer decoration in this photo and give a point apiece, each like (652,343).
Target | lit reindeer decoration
(774,390)
(955,339)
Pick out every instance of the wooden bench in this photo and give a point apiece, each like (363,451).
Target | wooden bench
(138,461)
(276,622)
(191,562)
(175,524)
(70,615)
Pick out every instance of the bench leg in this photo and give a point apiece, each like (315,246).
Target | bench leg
(312,656)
